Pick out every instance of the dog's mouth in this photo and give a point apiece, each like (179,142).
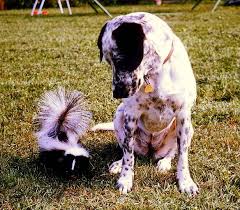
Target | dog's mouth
(125,89)
(121,91)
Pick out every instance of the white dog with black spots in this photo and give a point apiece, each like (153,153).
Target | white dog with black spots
(153,76)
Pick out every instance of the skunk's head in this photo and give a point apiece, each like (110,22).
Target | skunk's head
(74,160)
(62,152)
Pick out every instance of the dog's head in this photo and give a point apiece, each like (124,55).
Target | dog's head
(123,49)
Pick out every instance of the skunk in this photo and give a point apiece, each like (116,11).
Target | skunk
(62,120)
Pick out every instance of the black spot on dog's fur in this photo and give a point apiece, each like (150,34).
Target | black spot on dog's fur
(182,121)
(127,128)
(134,84)
(154,99)
(129,38)
(139,83)
(126,148)
(178,143)
(185,149)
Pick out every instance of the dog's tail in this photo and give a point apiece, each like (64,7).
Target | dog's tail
(103,126)
(61,112)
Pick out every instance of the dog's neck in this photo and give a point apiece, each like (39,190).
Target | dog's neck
(153,75)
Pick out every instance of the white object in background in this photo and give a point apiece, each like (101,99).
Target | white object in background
(42,3)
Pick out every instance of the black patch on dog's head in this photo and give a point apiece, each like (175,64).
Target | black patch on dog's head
(99,42)
(129,38)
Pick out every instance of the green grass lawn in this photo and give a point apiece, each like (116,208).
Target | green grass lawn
(41,53)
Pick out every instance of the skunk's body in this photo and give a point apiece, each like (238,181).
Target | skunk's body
(62,120)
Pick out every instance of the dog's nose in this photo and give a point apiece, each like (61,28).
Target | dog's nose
(120,92)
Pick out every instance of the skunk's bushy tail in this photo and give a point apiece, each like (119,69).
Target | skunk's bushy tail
(62,111)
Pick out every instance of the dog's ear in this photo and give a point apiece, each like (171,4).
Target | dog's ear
(99,42)
(129,38)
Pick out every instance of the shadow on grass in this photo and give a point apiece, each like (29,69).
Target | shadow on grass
(32,169)
(32,165)
(27,178)
(102,156)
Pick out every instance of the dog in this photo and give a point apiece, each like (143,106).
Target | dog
(153,76)
(61,120)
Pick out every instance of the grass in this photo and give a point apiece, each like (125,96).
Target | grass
(41,53)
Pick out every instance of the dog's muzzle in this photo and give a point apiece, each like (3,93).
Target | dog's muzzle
(120,91)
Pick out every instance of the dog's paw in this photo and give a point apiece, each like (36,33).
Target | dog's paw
(125,184)
(164,165)
(116,167)
(188,186)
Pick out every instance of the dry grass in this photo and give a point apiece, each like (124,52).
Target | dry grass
(41,53)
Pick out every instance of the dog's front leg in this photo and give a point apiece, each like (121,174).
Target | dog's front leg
(125,181)
(184,136)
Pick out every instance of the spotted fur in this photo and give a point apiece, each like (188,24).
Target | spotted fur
(155,123)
